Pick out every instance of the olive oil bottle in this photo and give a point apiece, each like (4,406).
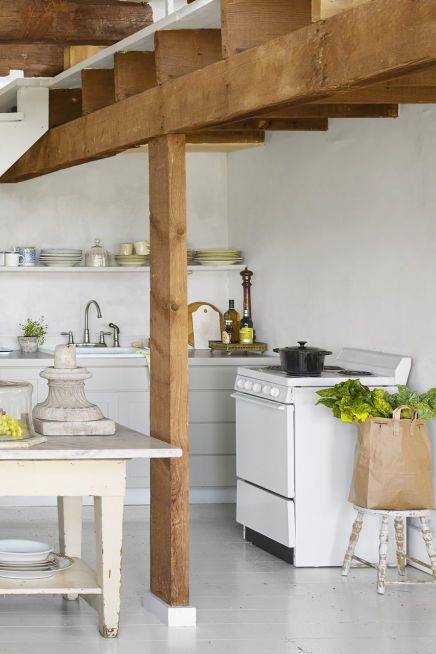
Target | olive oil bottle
(232,315)
(246,331)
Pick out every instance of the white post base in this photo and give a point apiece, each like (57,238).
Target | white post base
(173,616)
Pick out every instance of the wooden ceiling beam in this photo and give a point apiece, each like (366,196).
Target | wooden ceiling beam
(248,23)
(98,89)
(279,124)
(74,54)
(385,94)
(34,59)
(180,52)
(64,105)
(134,72)
(333,111)
(99,22)
(322,9)
(352,49)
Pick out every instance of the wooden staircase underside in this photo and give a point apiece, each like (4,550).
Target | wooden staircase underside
(275,65)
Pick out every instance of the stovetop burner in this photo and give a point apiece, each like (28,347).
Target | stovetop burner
(334,369)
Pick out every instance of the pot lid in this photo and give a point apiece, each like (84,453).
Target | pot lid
(302,347)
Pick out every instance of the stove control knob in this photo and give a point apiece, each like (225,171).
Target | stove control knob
(257,388)
(248,385)
(240,383)
(275,392)
(266,390)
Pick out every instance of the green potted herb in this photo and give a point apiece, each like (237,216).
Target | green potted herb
(33,336)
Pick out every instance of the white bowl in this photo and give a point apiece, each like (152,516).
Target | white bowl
(24,550)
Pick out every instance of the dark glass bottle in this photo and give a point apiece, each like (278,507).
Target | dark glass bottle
(233,315)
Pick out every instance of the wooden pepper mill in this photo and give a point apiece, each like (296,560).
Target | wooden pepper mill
(246,285)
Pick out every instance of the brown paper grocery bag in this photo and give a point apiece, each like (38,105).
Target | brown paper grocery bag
(392,465)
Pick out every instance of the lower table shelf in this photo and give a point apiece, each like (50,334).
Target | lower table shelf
(80,579)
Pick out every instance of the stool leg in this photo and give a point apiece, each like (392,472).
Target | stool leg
(355,532)
(401,554)
(428,540)
(383,552)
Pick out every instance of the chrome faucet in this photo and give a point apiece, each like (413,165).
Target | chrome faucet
(86,340)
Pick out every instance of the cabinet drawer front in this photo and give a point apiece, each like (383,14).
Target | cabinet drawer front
(211,406)
(212,377)
(212,438)
(266,513)
(265,444)
(117,379)
(212,471)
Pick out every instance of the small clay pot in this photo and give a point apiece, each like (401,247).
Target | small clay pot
(28,343)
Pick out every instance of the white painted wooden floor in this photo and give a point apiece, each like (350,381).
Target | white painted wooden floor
(248,602)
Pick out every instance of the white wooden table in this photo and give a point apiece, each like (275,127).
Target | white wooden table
(70,467)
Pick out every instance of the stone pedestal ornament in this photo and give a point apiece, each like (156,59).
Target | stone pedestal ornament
(66,410)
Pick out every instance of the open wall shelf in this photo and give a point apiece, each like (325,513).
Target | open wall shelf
(110,269)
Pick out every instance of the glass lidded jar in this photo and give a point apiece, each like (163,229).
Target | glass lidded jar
(97,256)
(16,411)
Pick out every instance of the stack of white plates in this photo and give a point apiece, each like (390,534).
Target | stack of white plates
(132,259)
(66,257)
(218,257)
(191,257)
(29,559)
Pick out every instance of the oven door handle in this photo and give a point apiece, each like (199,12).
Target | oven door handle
(259,401)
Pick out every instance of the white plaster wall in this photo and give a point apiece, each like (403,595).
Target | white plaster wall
(108,200)
(340,229)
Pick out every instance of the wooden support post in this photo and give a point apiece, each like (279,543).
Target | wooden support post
(169,483)
(179,52)
(98,89)
(247,23)
(134,72)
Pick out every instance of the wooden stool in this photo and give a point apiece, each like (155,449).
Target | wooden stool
(402,557)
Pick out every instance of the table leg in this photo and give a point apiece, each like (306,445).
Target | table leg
(70,529)
(109,533)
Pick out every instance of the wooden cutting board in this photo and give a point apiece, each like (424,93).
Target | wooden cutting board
(205,323)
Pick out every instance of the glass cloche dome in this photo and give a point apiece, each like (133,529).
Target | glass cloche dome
(16,410)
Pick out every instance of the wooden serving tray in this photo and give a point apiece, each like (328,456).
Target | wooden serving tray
(233,348)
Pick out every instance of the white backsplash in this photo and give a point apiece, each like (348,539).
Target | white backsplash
(107,200)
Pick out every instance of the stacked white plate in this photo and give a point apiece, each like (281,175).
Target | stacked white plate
(218,257)
(29,559)
(66,257)
(132,259)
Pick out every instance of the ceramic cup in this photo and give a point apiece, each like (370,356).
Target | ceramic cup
(13,259)
(126,248)
(142,247)
(29,256)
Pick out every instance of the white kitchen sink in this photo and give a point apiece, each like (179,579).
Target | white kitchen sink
(99,351)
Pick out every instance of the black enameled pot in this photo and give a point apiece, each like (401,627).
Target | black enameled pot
(302,361)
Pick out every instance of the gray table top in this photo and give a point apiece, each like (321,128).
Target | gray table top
(125,444)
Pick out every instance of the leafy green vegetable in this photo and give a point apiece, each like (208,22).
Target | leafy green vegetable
(351,401)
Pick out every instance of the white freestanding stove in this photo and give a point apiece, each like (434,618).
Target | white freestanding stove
(294,460)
